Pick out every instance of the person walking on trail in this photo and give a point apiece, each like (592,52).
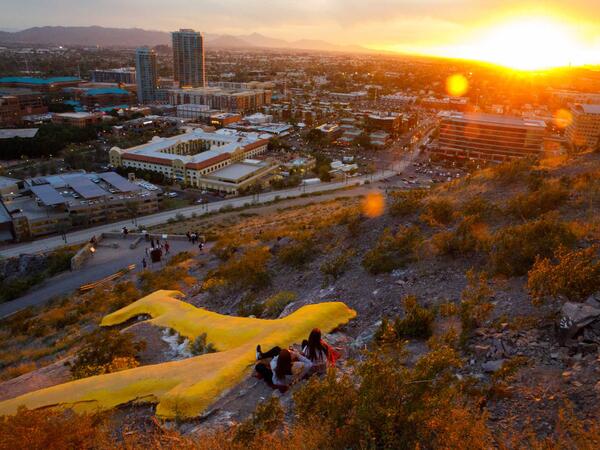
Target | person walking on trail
(144,264)
(167,246)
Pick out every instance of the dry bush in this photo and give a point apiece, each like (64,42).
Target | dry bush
(405,203)
(438,212)
(18,370)
(547,197)
(468,237)
(226,246)
(392,251)
(512,171)
(574,274)
(475,303)
(170,277)
(479,207)
(514,249)
(300,251)
(106,351)
(244,271)
(274,305)
(335,266)
(52,429)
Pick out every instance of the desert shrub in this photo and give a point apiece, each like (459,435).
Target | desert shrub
(332,398)
(512,171)
(199,346)
(465,239)
(574,274)
(179,258)
(274,305)
(106,351)
(417,321)
(533,204)
(390,405)
(438,212)
(53,429)
(475,303)
(514,249)
(479,207)
(266,419)
(169,277)
(121,295)
(392,251)
(247,270)
(335,266)
(298,252)
(226,246)
(249,305)
(404,203)
(18,370)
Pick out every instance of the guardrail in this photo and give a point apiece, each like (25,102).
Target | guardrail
(114,276)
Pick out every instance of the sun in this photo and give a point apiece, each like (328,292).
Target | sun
(527,44)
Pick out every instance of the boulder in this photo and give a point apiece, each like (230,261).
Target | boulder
(492,366)
(574,317)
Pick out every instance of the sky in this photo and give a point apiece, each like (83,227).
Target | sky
(461,28)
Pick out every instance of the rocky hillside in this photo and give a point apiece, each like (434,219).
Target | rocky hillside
(478,317)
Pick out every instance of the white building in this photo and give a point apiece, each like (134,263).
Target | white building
(197,158)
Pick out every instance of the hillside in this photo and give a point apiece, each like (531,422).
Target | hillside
(478,321)
(135,37)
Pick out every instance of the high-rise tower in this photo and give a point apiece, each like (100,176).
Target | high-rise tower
(146,74)
(188,58)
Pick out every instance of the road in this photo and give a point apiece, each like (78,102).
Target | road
(390,165)
(81,236)
(105,262)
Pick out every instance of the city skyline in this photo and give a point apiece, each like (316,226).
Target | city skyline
(524,34)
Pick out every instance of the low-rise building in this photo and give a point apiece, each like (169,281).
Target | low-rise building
(17,103)
(57,203)
(77,119)
(40,84)
(223,119)
(194,157)
(584,129)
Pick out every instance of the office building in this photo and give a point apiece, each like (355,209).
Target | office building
(123,75)
(584,130)
(489,137)
(188,58)
(17,103)
(109,96)
(56,203)
(223,99)
(220,161)
(146,74)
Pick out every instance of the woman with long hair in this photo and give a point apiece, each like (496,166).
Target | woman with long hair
(319,352)
(286,367)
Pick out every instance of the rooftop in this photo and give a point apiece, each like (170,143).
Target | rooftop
(237,171)
(494,119)
(40,81)
(589,108)
(8,133)
(221,142)
(108,90)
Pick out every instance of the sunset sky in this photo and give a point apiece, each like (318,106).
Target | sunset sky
(519,33)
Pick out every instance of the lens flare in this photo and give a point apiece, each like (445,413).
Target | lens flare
(457,85)
(563,118)
(373,204)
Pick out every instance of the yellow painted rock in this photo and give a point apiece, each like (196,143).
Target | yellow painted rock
(187,387)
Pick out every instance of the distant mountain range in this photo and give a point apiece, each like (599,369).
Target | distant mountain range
(133,37)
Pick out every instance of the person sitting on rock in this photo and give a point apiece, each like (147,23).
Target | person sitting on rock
(286,367)
(319,352)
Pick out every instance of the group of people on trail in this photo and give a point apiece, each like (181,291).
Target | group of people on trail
(195,238)
(288,366)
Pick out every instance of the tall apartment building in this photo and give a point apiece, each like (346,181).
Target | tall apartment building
(584,129)
(124,75)
(188,58)
(146,74)
(489,137)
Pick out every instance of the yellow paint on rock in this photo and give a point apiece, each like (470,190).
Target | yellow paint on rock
(187,387)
